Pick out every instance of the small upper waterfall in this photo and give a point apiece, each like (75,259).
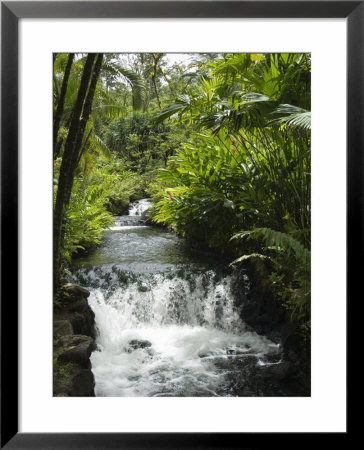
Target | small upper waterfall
(135,215)
(139,207)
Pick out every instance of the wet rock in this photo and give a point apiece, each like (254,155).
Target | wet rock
(259,309)
(230,351)
(277,372)
(79,305)
(76,290)
(219,311)
(80,316)
(72,340)
(79,383)
(62,328)
(283,379)
(138,343)
(72,374)
(265,314)
(84,323)
(83,384)
(273,358)
(80,351)
(143,287)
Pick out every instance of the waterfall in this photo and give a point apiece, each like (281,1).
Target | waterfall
(139,207)
(167,322)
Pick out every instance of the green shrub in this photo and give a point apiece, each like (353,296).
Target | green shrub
(86,218)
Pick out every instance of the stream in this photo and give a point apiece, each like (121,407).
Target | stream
(166,317)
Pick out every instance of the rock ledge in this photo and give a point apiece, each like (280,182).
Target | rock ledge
(73,343)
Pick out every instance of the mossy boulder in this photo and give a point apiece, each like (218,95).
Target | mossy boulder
(78,351)
(74,333)
(76,290)
(62,327)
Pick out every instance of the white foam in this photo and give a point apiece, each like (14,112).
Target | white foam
(188,329)
(139,207)
(127,227)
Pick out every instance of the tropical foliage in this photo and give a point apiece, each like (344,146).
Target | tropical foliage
(221,143)
(246,170)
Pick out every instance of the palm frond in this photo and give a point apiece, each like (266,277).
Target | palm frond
(292,116)
(111,111)
(183,102)
(137,85)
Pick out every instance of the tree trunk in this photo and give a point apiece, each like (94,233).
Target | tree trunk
(84,145)
(76,154)
(156,58)
(80,115)
(60,105)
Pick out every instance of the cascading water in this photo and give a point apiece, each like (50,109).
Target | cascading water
(166,318)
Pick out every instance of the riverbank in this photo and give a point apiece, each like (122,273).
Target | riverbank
(264,312)
(73,343)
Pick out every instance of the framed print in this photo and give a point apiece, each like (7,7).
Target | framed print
(183,129)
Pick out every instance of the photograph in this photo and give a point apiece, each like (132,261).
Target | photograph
(181,200)
(181,224)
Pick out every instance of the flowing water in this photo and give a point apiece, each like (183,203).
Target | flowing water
(166,317)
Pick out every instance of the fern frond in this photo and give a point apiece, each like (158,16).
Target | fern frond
(101,146)
(247,257)
(281,241)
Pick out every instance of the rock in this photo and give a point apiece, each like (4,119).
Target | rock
(79,305)
(278,372)
(76,289)
(230,351)
(83,384)
(72,340)
(137,343)
(62,328)
(264,313)
(259,309)
(143,287)
(79,383)
(84,323)
(80,316)
(72,374)
(80,354)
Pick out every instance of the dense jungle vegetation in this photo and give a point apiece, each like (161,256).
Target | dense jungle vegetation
(219,142)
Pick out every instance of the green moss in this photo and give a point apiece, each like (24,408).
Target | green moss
(61,299)
(61,370)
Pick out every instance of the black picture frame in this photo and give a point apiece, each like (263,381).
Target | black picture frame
(11,12)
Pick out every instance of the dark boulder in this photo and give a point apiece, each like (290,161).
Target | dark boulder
(79,383)
(259,307)
(278,372)
(264,313)
(62,328)
(80,316)
(80,352)
(76,290)
(83,384)
(137,343)
(79,305)
(72,374)
(72,340)
(84,323)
